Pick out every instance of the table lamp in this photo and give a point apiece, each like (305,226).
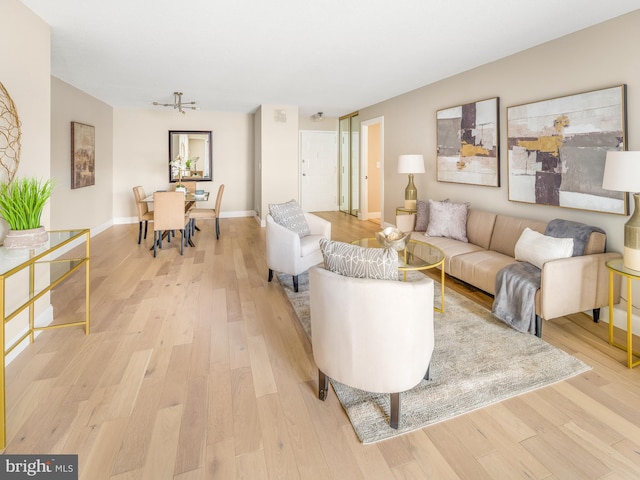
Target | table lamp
(622,173)
(410,164)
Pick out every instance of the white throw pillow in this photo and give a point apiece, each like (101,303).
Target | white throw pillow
(290,216)
(448,220)
(536,248)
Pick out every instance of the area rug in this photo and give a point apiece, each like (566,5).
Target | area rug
(477,361)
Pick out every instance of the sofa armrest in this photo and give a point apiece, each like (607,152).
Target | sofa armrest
(576,284)
(318,226)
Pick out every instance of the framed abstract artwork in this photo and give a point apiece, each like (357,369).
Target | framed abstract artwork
(83,155)
(557,150)
(468,144)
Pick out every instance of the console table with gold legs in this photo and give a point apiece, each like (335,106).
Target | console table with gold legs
(616,267)
(53,268)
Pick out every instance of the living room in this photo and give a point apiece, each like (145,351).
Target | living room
(131,143)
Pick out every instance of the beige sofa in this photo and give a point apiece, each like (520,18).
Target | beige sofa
(568,285)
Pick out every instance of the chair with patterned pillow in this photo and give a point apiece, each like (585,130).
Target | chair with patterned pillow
(293,239)
(371,334)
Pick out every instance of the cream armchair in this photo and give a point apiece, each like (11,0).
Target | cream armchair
(374,335)
(288,253)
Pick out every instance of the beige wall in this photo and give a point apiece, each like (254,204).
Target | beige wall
(141,156)
(87,207)
(278,155)
(598,57)
(25,72)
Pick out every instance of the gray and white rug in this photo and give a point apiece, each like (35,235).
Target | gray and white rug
(477,361)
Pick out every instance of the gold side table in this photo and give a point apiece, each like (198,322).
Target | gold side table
(616,267)
(405,211)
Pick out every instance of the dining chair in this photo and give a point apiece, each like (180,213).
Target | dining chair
(144,214)
(208,213)
(169,215)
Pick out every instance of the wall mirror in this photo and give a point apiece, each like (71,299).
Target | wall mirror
(190,158)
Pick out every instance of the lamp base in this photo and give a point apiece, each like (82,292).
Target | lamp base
(410,194)
(410,204)
(632,237)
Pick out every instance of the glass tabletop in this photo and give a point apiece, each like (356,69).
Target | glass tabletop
(617,264)
(416,256)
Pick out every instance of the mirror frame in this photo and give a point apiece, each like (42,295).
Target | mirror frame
(173,135)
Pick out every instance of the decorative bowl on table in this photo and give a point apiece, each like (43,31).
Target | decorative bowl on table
(392,237)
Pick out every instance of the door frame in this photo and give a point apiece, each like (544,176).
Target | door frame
(364,167)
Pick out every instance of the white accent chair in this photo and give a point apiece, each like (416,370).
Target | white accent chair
(374,335)
(288,253)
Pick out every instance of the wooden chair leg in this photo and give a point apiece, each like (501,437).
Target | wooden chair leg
(270,274)
(295,283)
(426,375)
(146,226)
(395,410)
(140,233)
(217,228)
(182,235)
(323,385)
(155,243)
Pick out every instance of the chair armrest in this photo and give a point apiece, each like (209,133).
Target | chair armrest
(576,284)
(283,246)
(318,226)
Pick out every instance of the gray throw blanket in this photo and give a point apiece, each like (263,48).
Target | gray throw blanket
(515,299)
(580,233)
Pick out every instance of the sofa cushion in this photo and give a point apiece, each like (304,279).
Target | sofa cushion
(479,268)
(359,262)
(449,246)
(507,231)
(447,219)
(537,249)
(290,216)
(480,226)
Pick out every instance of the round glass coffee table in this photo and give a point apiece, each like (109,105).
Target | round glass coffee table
(416,256)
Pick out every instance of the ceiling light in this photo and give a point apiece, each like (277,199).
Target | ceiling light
(178,103)
(317,117)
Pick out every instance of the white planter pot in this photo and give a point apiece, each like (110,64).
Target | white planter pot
(36,237)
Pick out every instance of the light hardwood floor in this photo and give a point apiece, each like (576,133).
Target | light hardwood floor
(197,368)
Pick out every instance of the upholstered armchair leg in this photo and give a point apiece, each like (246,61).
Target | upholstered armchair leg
(146,226)
(140,233)
(538,326)
(295,283)
(323,385)
(395,410)
(270,274)
(426,375)
(596,315)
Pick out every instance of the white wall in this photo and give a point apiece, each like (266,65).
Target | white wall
(141,156)
(87,207)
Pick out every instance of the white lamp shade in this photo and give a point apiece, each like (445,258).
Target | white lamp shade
(622,171)
(411,164)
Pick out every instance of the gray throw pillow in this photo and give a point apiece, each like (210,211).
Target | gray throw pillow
(290,216)
(359,262)
(422,215)
(448,220)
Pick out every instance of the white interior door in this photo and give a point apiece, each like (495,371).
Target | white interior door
(318,171)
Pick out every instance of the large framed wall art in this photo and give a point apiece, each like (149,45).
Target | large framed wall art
(468,145)
(557,150)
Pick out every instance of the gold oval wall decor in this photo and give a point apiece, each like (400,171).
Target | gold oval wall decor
(9,137)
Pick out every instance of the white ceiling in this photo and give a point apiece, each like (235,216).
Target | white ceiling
(334,56)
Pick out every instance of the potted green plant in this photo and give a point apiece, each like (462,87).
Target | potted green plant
(21,205)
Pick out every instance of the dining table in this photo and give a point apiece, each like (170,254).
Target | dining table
(190,198)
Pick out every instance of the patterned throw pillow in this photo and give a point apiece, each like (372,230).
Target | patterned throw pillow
(448,220)
(290,216)
(359,262)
